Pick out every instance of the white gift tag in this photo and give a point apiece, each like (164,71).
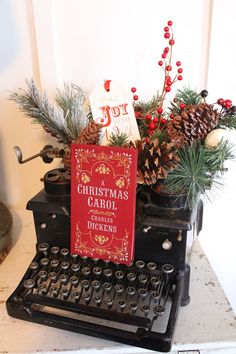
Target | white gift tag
(111,105)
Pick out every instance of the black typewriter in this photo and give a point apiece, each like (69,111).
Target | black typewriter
(135,305)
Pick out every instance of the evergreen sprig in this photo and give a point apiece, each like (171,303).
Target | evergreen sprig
(187,96)
(198,170)
(228,121)
(118,139)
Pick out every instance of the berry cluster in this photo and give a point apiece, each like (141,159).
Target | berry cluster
(224,103)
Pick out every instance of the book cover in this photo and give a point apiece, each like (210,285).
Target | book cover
(103,202)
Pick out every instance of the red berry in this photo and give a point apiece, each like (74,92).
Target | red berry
(166,29)
(150,132)
(152,126)
(220,101)
(228,103)
(166,50)
(175,99)
(160,63)
(159,110)
(133,89)
(168,67)
(180,70)
(147,140)
(178,63)
(180,77)
(137,114)
(169,83)
(135,97)
(163,55)
(171,42)
(148,116)
(172,115)
(155,120)
(163,121)
(168,89)
(167,35)
(181,105)
(169,23)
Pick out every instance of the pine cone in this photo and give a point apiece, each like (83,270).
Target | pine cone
(154,161)
(90,134)
(193,123)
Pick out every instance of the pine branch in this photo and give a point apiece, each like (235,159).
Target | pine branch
(118,139)
(227,121)
(186,96)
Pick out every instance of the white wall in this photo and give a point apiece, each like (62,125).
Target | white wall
(87,41)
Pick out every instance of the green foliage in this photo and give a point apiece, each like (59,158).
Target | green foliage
(118,139)
(228,121)
(187,96)
(198,170)
(65,121)
(149,106)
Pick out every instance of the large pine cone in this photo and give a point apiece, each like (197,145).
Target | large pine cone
(155,160)
(193,123)
(90,134)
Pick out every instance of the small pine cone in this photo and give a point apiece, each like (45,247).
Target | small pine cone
(90,134)
(193,123)
(155,160)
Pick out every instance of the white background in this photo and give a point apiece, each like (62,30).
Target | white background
(87,41)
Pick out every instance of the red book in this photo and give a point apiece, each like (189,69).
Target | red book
(103,202)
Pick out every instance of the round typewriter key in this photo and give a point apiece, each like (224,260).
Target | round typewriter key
(133,307)
(86,271)
(64,252)
(54,263)
(43,274)
(65,265)
(29,283)
(108,301)
(159,310)
(121,304)
(55,250)
(143,279)
(140,264)
(97,271)
(75,267)
(145,309)
(64,292)
(119,289)
(52,276)
(63,278)
(86,297)
(107,273)
(44,262)
(53,290)
(75,295)
(151,266)
(107,287)
(97,300)
(84,258)
(142,293)
(42,289)
(130,290)
(167,268)
(155,295)
(74,280)
(34,265)
(73,255)
(95,260)
(85,284)
(155,281)
(131,277)
(119,275)
(96,285)
(43,247)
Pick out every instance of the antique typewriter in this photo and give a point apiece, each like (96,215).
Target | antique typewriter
(137,304)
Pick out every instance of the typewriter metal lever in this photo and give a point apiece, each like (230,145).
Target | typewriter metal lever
(48,153)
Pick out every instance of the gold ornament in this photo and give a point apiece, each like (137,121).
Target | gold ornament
(214,138)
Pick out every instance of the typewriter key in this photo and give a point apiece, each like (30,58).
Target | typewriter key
(145,309)
(155,281)
(167,268)
(64,292)
(151,266)
(65,265)
(53,290)
(85,284)
(121,305)
(97,300)
(44,262)
(159,310)
(119,275)
(140,264)
(95,285)
(42,290)
(108,301)
(130,291)
(155,295)
(63,278)
(64,252)
(107,287)
(55,250)
(52,276)
(43,274)
(119,289)
(43,247)
(54,263)
(75,295)
(86,297)
(75,267)
(107,273)
(29,283)
(86,271)
(142,293)
(73,255)
(133,307)
(34,265)
(143,279)
(131,277)
(97,271)
(74,280)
